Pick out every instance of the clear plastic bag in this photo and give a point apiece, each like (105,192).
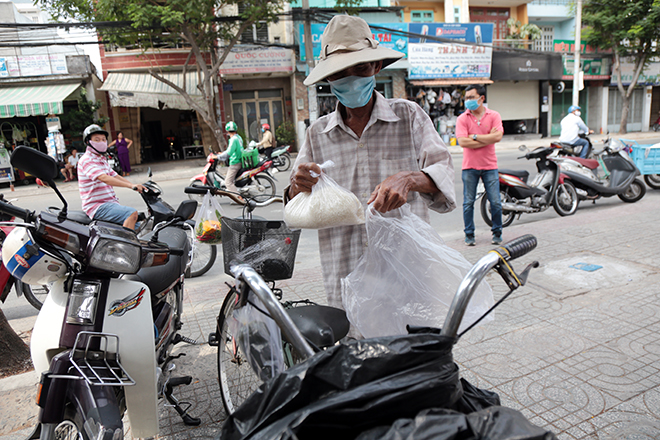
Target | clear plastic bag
(406,276)
(259,338)
(207,221)
(327,206)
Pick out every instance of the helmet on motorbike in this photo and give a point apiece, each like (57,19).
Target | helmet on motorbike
(572,108)
(231,126)
(91,129)
(25,260)
(266,127)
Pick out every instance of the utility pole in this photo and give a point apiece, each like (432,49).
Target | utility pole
(309,57)
(578,49)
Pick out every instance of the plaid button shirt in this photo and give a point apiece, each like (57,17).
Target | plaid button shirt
(398,137)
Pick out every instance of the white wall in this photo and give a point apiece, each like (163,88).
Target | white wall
(514,100)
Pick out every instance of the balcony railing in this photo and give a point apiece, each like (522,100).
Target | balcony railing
(517,44)
(551,2)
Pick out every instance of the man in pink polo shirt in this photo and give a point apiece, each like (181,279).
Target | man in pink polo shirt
(477,131)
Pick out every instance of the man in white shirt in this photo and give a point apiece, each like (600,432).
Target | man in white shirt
(571,126)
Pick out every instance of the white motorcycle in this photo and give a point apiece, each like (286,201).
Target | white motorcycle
(103,338)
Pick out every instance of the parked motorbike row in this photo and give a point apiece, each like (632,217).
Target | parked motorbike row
(563,180)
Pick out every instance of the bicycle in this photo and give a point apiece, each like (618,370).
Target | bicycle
(254,241)
(294,400)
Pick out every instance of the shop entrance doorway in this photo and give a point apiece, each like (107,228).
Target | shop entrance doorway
(252,108)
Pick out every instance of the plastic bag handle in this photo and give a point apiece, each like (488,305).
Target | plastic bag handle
(325,165)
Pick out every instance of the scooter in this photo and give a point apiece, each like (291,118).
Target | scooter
(113,160)
(103,338)
(256,182)
(612,172)
(548,188)
(567,149)
(280,156)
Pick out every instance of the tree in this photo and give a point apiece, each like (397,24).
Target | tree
(193,24)
(14,354)
(77,120)
(631,29)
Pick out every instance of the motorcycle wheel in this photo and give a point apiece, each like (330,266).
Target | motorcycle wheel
(652,180)
(507,216)
(204,256)
(237,379)
(566,199)
(284,163)
(197,197)
(263,188)
(35,295)
(635,192)
(656,127)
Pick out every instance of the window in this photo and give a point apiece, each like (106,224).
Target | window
(421,16)
(545,43)
(257,33)
(497,16)
(615,104)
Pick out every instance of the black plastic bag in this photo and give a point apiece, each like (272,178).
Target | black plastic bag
(356,386)
(494,423)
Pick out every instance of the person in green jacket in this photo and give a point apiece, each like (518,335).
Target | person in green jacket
(235,151)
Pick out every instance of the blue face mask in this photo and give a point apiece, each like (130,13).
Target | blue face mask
(354,91)
(472,104)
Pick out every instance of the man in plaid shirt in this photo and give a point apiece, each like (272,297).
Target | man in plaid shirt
(387,151)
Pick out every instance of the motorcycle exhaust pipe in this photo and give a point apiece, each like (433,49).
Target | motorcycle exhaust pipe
(517,208)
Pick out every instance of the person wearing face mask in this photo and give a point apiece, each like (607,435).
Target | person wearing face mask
(571,127)
(477,131)
(386,151)
(266,140)
(96,180)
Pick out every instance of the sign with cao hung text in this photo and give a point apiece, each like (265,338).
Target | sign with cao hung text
(254,59)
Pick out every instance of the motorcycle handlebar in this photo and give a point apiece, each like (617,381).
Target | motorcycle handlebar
(15,211)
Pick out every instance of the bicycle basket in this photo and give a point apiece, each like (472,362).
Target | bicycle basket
(268,246)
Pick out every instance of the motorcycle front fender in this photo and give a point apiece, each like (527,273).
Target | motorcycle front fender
(201,177)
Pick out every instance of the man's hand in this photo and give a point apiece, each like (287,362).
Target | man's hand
(302,180)
(493,130)
(392,192)
(139,188)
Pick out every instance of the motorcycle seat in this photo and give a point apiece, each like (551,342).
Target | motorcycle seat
(522,174)
(76,216)
(159,278)
(321,325)
(592,164)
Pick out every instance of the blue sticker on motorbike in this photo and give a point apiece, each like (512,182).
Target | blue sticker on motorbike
(119,308)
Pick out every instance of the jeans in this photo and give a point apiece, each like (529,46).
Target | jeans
(585,147)
(491,181)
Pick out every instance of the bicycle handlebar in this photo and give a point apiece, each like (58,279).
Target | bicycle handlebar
(201,190)
(510,251)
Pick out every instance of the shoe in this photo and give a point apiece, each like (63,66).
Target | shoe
(469,240)
(497,239)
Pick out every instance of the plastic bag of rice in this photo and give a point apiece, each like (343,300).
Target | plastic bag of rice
(327,206)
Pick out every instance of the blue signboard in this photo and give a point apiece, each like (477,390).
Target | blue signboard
(470,32)
(390,40)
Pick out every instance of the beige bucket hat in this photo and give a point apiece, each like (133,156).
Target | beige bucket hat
(346,42)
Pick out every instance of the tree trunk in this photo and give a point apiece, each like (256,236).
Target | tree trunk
(14,354)
(625,109)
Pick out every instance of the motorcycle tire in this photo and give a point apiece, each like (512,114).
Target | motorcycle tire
(204,257)
(284,163)
(263,188)
(566,200)
(235,375)
(635,192)
(197,197)
(652,180)
(656,127)
(35,295)
(507,216)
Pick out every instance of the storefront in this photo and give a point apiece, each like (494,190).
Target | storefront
(523,78)
(644,101)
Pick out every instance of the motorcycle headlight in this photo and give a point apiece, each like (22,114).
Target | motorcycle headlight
(81,306)
(113,248)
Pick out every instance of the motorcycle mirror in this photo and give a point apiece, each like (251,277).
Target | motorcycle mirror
(149,173)
(523,148)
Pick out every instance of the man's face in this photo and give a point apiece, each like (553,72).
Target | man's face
(472,94)
(362,69)
(74,152)
(98,137)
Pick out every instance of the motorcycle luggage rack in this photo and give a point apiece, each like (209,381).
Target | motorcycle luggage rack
(95,363)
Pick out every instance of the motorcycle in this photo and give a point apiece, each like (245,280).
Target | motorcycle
(256,182)
(567,149)
(548,188)
(612,172)
(103,338)
(113,160)
(280,156)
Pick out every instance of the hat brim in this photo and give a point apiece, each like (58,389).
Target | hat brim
(337,62)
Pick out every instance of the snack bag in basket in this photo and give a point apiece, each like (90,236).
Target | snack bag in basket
(327,206)
(207,221)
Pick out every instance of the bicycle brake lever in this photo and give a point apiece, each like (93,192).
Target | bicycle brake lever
(511,278)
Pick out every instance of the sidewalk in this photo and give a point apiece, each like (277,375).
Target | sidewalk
(577,352)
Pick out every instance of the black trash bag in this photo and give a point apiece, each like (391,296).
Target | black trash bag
(494,423)
(352,387)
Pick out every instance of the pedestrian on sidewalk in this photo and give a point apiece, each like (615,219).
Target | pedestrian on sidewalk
(478,129)
(123,144)
(386,151)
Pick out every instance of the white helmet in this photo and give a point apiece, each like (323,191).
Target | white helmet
(25,260)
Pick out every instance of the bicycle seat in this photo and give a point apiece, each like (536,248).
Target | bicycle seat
(321,325)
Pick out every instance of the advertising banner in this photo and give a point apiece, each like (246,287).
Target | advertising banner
(388,38)
(258,60)
(33,65)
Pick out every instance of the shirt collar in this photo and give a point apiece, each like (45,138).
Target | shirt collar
(381,111)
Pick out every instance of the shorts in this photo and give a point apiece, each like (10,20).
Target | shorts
(113,213)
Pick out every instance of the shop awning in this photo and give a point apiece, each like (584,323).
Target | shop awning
(34,100)
(143,90)
(449,82)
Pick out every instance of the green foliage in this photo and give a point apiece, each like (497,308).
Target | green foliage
(285,133)
(77,120)
(519,31)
